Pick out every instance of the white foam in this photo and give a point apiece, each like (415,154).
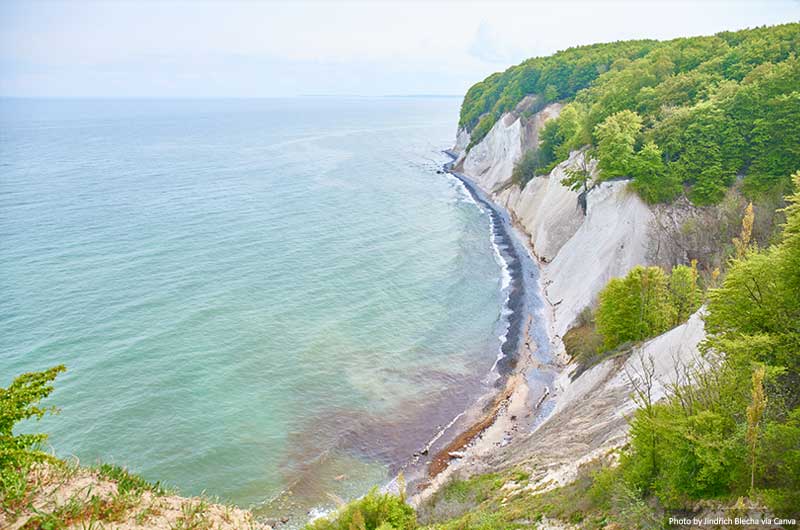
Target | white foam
(505,274)
(503,339)
(442,431)
(505,282)
(463,193)
(318,513)
(393,485)
(505,271)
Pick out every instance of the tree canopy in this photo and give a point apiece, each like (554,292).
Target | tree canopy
(733,428)
(645,303)
(711,108)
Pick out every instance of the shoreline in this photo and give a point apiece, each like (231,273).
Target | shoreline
(520,385)
(526,369)
(507,401)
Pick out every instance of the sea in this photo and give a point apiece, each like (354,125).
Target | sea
(274,302)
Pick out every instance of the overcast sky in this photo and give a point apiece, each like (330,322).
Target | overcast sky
(272,48)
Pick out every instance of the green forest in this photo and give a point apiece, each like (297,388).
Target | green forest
(690,115)
(734,430)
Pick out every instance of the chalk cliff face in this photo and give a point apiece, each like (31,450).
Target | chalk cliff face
(547,211)
(609,242)
(462,141)
(491,162)
(579,253)
(591,413)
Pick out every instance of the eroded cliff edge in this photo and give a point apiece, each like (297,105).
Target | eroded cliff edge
(578,251)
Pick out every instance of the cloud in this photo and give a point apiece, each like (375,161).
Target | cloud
(488,45)
(180,48)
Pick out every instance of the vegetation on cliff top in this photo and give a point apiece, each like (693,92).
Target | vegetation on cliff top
(556,77)
(690,113)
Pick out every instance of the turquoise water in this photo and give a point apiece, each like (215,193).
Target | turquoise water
(269,300)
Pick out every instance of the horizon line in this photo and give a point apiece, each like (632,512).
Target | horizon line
(297,96)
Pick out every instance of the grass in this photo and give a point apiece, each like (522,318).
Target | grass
(128,482)
(476,489)
(504,501)
(87,512)
(112,497)
(84,508)
(15,491)
(458,497)
(19,486)
(146,513)
(193,516)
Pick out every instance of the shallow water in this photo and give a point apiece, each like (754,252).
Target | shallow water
(269,300)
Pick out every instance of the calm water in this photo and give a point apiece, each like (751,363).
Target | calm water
(269,300)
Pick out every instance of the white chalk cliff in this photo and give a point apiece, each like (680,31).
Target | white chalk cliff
(579,253)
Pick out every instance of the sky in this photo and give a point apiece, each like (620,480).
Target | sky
(150,48)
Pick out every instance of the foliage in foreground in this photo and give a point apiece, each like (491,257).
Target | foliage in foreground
(734,429)
(19,402)
(26,471)
(374,511)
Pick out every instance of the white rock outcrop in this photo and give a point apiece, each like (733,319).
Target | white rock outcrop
(611,240)
(462,141)
(579,253)
(546,210)
(491,162)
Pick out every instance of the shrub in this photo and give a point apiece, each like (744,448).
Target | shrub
(525,168)
(374,511)
(18,402)
(583,343)
(635,307)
